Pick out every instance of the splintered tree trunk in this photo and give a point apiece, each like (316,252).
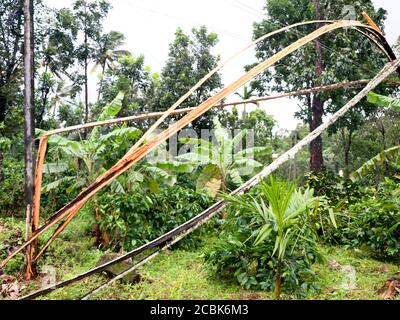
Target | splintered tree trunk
(175,235)
(29,114)
(317,108)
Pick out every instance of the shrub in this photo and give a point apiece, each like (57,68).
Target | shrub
(335,195)
(268,239)
(12,188)
(376,220)
(337,190)
(133,219)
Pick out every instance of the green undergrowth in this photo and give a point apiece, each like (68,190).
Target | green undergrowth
(180,274)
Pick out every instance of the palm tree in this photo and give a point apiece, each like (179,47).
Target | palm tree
(29,112)
(385,156)
(246,95)
(106,54)
(62,94)
(285,213)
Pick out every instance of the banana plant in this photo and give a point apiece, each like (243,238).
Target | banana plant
(374,163)
(384,156)
(79,163)
(285,213)
(383,101)
(220,163)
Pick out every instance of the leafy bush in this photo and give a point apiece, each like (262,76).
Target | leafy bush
(335,196)
(11,235)
(133,219)
(12,188)
(268,237)
(376,220)
(57,198)
(337,190)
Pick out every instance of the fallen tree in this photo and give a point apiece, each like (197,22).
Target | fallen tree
(178,233)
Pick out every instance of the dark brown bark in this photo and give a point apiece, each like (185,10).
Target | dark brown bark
(277,292)
(29,114)
(317,108)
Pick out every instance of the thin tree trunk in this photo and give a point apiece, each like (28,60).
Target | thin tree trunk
(44,97)
(277,292)
(346,148)
(29,113)
(3,107)
(85,133)
(386,167)
(103,70)
(86,93)
(317,108)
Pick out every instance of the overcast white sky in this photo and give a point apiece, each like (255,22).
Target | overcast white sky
(149,27)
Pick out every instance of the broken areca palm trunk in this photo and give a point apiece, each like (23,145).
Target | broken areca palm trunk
(178,233)
(135,154)
(345,85)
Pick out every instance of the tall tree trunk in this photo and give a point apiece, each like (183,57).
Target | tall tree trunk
(29,113)
(346,148)
(86,72)
(3,107)
(103,70)
(86,92)
(317,108)
(45,90)
(382,130)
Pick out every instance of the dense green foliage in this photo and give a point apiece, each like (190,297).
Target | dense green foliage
(12,188)
(300,69)
(376,220)
(222,165)
(266,240)
(268,237)
(139,217)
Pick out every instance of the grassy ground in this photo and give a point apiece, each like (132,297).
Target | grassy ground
(182,274)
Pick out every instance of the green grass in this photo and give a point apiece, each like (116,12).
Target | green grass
(183,275)
(370,275)
(180,274)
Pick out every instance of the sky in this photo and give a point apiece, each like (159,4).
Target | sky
(149,27)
